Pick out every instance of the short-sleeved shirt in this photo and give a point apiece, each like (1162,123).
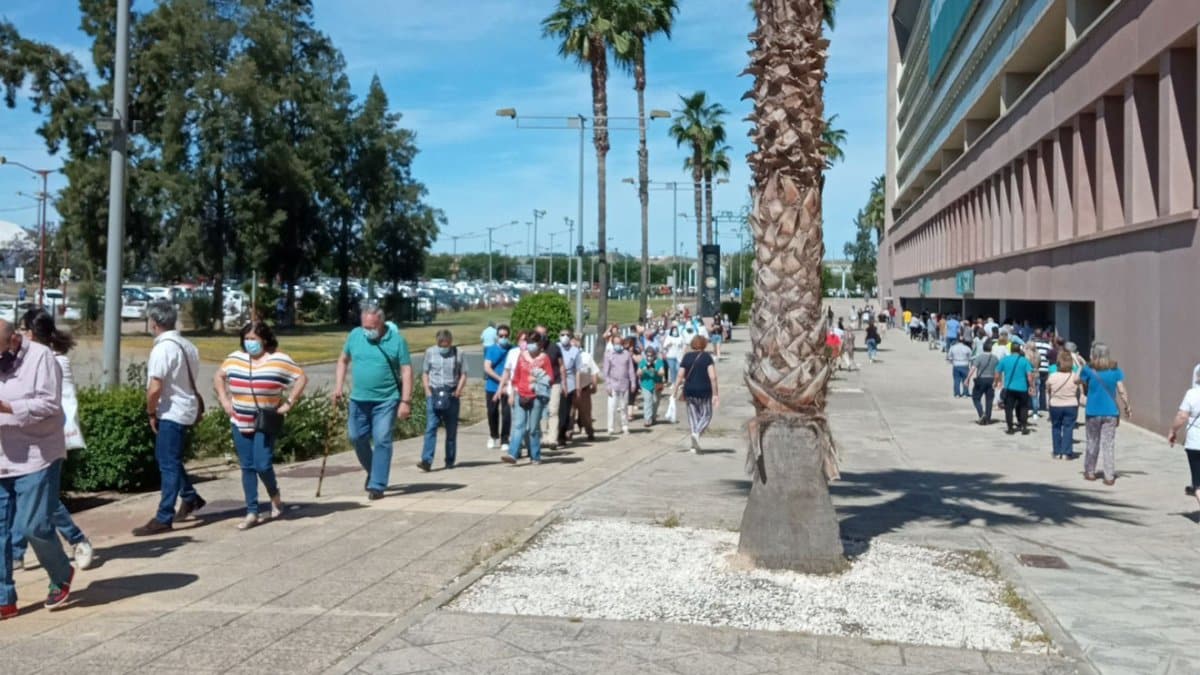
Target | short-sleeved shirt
(952,329)
(1191,406)
(498,357)
(443,371)
(1043,348)
(1101,391)
(650,374)
(375,366)
(254,386)
(488,336)
(695,368)
(169,362)
(1015,369)
(984,364)
(959,354)
(570,360)
(554,353)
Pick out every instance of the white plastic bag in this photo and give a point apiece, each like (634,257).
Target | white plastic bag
(672,417)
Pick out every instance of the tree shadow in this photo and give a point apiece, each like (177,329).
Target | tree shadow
(418,488)
(902,496)
(106,591)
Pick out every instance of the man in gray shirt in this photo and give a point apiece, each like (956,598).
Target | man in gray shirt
(570,367)
(444,378)
(983,375)
(959,356)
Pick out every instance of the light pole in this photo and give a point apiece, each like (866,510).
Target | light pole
(536,214)
(550,273)
(490,230)
(570,240)
(43,197)
(504,262)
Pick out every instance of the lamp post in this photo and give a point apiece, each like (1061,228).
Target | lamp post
(490,230)
(43,197)
(570,241)
(533,242)
(550,273)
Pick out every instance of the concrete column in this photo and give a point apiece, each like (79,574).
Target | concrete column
(1064,207)
(1080,15)
(992,220)
(1031,198)
(1084,151)
(1062,317)
(1177,130)
(1046,197)
(1110,162)
(1016,200)
(1003,312)
(1004,202)
(1141,148)
(972,130)
(1012,85)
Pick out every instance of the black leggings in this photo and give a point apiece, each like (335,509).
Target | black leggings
(499,415)
(983,389)
(564,416)
(1194,464)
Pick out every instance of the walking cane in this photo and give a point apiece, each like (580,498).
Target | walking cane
(325,457)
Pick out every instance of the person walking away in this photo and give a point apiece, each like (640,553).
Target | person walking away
(954,330)
(873,340)
(569,384)
(1063,401)
(490,335)
(381,379)
(672,351)
(31,445)
(552,351)
(251,384)
(959,357)
(651,375)
(914,328)
(174,405)
(499,412)
(620,377)
(848,348)
(532,384)
(1187,421)
(1042,344)
(932,337)
(1015,374)
(698,384)
(1104,384)
(38,325)
(983,376)
(716,335)
(585,387)
(444,378)
(942,330)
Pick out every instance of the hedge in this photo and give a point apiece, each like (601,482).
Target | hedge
(543,309)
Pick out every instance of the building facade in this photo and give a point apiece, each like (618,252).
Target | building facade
(1042,165)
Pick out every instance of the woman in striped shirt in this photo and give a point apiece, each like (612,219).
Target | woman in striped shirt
(251,379)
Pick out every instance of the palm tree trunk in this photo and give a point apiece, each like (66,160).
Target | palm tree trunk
(789,520)
(698,199)
(639,83)
(600,139)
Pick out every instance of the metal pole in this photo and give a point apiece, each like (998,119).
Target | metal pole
(42,253)
(675,240)
(489,255)
(116,203)
(536,215)
(579,264)
(550,270)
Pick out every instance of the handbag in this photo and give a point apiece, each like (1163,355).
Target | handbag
(267,421)
(442,397)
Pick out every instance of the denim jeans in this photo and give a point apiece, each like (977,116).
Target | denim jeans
(168,450)
(254,453)
(983,390)
(872,348)
(672,371)
(371,424)
(960,380)
(527,421)
(1062,428)
(447,418)
(649,405)
(60,518)
(25,505)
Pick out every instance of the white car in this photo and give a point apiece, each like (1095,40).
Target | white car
(159,293)
(134,302)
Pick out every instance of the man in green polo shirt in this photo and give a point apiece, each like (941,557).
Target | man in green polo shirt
(380,391)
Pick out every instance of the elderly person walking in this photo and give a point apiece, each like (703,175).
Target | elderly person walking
(381,390)
(620,381)
(1062,392)
(532,381)
(698,384)
(1104,383)
(32,448)
(1187,421)
(652,374)
(444,378)
(174,405)
(250,385)
(586,386)
(38,325)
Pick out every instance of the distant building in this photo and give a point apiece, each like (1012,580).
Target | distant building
(1042,165)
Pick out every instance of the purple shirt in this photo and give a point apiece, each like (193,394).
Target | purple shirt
(31,436)
(619,373)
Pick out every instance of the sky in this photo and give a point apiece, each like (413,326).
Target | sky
(448,66)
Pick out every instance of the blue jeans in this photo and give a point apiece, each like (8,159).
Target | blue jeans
(60,518)
(371,425)
(254,455)
(168,450)
(872,348)
(527,420)
(1062,428)
(25,505)
(1043,400)
(672,371)
(433,419)
(960,381)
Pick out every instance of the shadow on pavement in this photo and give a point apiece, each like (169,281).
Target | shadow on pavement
(417,488)
(468,465)
(141,548)
(959,498)
(105,591)
(551,459)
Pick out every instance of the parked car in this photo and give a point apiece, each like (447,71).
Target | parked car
(134,302)
(159,293)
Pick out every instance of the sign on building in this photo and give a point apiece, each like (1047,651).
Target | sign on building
(964,282)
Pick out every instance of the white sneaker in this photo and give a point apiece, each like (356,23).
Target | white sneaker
(695,443)
(504,447)
(83,555)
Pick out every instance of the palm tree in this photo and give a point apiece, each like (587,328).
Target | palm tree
(586,29)
(874,213)
(832,140)
(716,164)
(789,520)
(698,125)
(642,20)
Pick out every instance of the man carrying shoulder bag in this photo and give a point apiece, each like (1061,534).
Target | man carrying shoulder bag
(444,378)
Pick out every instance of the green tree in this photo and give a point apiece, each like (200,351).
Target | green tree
(862,253)
(832,141)
(874,212)
(585,30)
(716,165)
(698,126)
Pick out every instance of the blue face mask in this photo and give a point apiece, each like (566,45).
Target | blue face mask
(253,347)
(503,342)
(372,334)
(618,348)
(445,351)
(533,347)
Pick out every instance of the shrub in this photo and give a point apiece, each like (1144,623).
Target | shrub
(748,303)
(264,300)
(212,436)
(413,426)
(549,309)
(733,309)
(200,309)
(313,422)
(120,443)
(88,298)
(315,309)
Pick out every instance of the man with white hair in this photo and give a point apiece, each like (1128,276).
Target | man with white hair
(32,446)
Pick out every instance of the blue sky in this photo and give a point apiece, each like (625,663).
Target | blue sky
(448,66)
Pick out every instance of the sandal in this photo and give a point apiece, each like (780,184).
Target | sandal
(248,522)
(1089,476)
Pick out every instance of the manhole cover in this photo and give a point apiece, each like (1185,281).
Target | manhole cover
(1050,562)
(314,471)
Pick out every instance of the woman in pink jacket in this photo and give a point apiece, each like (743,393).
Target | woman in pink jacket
(620,380)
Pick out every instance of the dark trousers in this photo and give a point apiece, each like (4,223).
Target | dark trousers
(1016,402)
(1062,429)
(565,403)
(1043,400)
(499,417)
(1194,464)
(983,390)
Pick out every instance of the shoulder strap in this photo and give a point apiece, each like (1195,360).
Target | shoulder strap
(391,368)
(191,378)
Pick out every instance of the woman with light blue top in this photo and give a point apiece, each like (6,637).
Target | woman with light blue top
(1104,384)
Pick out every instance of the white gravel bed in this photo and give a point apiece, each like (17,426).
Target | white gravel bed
(613,569)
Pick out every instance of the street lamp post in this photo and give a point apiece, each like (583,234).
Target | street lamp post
(43,197)
(570,240)
(490,230)
(550,273)
(533,242)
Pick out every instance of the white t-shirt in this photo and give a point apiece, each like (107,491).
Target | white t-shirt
(178,402)
(510,362)
(672,347)
(1191,406)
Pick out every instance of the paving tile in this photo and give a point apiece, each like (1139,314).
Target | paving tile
(407,660)
(292,661)
(944,659)
(474,650)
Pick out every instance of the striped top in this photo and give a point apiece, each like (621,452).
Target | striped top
(264,380)
(1043,349)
